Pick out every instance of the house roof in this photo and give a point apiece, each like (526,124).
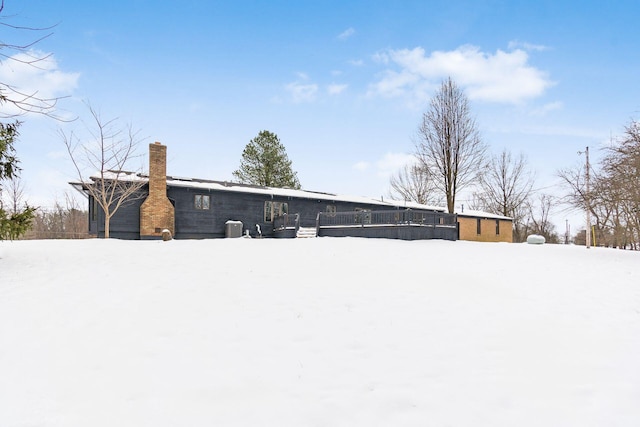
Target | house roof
(290,192)
(481,214)
(174,181)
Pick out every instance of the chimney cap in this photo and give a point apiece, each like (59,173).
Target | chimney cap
(157,143)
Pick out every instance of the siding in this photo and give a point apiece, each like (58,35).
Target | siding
(125,224)
(469,229)
(192,223)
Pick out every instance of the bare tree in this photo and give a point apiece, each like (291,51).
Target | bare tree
(614,197)
(539,221)
(108,152)
(412,183)
(24,101)
(507,186)
(621,169)
(449,143)
(65,220)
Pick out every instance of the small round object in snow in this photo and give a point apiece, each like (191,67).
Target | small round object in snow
(535,239)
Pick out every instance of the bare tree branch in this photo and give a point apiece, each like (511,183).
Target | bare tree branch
(614,197)
(413,183)
(449,143)
(25,101)
(506,187)
(106,155)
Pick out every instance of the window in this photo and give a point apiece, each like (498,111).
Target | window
(94,209)
(478,226)
(331,210)
(268,211)
(497,227)
(274,209)
(202,202)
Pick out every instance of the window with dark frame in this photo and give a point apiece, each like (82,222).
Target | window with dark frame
(202,201)
(268,211)
(497,227)
(274,209)
(478,226)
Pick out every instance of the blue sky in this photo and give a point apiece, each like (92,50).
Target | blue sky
(343,84)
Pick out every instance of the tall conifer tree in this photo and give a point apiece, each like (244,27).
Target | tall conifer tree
(265,162)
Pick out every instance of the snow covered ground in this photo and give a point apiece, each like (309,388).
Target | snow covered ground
(317,332)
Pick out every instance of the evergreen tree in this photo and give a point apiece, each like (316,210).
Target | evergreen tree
(16,223)
(265,162)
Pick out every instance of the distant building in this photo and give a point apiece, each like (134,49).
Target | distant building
(484,227)
(198,209)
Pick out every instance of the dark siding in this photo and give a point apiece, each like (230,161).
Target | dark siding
(125,223)
(192,223)
(189,221)
(245,207)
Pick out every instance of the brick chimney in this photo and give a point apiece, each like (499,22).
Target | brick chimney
(157,212)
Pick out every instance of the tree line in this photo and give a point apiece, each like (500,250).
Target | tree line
(450,157)
(613,196)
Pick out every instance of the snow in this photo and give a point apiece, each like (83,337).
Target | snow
(317,332)
(482,214)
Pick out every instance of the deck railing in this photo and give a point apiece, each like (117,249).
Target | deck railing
(378,218)
(286,221)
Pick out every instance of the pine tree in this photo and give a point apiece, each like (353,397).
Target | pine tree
(265,162)
(17,223)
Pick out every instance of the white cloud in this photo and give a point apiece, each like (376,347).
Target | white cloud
(346,34)
(336,89)
(43,79)
(504,77)
(357,62)
(302,92)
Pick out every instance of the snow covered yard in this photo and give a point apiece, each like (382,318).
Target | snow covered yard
(317,332)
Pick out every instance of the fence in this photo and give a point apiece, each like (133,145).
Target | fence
(386,218)
(286,221)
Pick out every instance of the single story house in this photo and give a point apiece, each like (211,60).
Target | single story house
(197,208)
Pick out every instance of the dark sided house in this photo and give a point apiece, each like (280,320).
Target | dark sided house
(200,209)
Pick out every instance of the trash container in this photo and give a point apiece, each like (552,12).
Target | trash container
(234,229)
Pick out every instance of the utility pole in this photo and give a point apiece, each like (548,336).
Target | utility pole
(588,236)
(587,197)
(586,200)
